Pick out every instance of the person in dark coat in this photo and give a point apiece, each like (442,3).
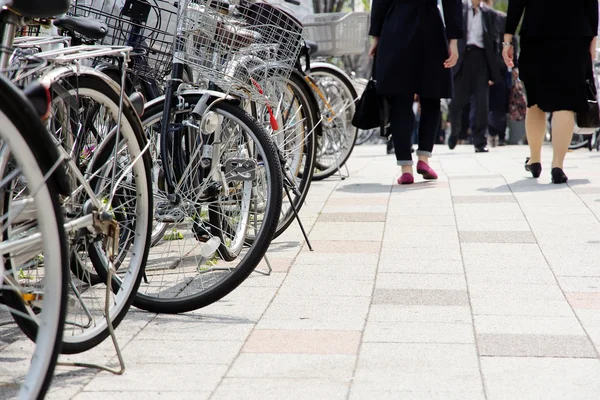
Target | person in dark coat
(564,33)
(414,55)
(476,70)
(500,91)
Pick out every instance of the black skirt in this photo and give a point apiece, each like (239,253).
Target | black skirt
(554,72)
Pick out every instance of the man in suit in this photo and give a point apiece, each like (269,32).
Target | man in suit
(477,69)
(500,92)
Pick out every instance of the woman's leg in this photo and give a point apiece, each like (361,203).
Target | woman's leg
(401,120)
(535,127)
(428,127)
(562,133)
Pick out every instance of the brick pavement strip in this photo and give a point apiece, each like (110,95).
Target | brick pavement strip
(483,285)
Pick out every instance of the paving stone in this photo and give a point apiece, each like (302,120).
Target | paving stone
(421,220)
(368,231)
(506,345)
(420,281)
(328,366)
(541,378)
(520,325)
(479,225)
(302,342)
(147,395)
(496,237)
(483,199)
(417,332)
(351,217)
(421,297)
(584,300)
(278,388)
(342,287)
(363,391)
(181,351)
(344,246)
(437,314)
(161,377)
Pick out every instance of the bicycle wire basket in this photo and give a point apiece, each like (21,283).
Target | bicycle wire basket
(337,34)
(237,48)
(148,26)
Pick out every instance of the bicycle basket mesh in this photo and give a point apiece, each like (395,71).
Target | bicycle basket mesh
(146,25)
(237,48)
(337,34)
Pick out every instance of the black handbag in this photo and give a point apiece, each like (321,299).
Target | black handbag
(371,109)
(590,118)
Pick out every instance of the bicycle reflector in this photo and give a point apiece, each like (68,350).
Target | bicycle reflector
(38,94)
(272,118)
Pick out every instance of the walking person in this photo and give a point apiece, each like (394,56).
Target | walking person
(414,55)
(500,91)
(566,33)
(476,70)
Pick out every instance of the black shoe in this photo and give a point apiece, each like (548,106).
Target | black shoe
(481,149)
(501,142)
(534,168)
(452,140)
(558,176)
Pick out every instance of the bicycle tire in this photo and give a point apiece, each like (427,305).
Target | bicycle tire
(365,137)
(21,128)
(579,141)
(305,96)
(153,115)
(107,93)
(325,171)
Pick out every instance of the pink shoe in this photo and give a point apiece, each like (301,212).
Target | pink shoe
(406,179)
(426,171)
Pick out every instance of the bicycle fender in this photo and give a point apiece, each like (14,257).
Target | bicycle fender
(321,64)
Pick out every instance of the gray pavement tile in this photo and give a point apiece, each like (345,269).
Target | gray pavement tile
(342,287)
(520,325)
(530,345)
(396,253)
(373,391)
(483,199)
(490,211)
(159,377)
(326,258)
(324,366)
(513,291)
(279,388)
(179,351)
(415,210)
(475,177)
(521,307)
(420,281)
(302,342)
(478,225)
(417,332)
(351,217)
(368,231)
(586,189)
(481,274)
(496,237)
(193,327)
(423,220)
(333,271)
(344,246)
(336,208)
(421,297)
(388,264)
(541,378)
(350,324)
(434,314)
(146,395)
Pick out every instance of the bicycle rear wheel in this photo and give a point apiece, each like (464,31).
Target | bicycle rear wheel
(205,255)
(336,97)
(33,276)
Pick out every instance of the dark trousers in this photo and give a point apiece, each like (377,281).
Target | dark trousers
(499,94)
(471,81)
(402,121)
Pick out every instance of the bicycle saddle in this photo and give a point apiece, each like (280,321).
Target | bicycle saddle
(313,47)
(40,9)
(88,27)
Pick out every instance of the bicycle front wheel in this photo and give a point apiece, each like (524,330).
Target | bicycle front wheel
(33,261)
(205,254)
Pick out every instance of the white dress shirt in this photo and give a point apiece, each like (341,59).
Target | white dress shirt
(474,26)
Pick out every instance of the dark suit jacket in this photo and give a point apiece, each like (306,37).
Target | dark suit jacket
(413,45)
(500,24)
(489,34)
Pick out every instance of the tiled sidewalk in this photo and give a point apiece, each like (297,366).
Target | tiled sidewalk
(484,284)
